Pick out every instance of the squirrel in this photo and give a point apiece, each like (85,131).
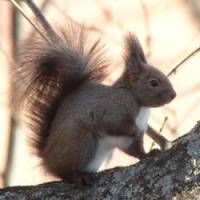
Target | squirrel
(75,120)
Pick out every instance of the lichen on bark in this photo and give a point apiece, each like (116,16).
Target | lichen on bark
(173,175)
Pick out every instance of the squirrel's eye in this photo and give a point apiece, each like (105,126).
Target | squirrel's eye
(153,83)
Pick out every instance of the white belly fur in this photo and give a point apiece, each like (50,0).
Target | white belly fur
(104,152)
(107,144)
(142,118)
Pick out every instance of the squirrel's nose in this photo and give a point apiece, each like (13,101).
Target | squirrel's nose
(173,94)
(169,95)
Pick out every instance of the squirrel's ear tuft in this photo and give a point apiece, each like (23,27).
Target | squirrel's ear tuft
(134,55)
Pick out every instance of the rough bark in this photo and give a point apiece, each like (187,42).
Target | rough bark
(174,174)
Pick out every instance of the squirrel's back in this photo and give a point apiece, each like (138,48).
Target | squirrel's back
(49,71)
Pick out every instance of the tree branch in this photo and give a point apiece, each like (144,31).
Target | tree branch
(174,174)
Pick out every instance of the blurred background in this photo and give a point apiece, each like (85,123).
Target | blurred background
(168,31)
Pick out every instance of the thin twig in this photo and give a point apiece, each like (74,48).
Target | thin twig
(164,122)
(41,19)
(19,8)
(174,69)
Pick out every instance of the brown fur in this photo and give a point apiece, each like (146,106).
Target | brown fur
(70,113)
(68,110)
(52,71)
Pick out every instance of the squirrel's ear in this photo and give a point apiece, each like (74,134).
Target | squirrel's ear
(134,55)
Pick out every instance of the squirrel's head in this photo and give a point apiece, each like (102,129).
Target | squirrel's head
(150,86)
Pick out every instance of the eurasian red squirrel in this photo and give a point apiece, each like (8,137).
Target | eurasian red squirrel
(76,121)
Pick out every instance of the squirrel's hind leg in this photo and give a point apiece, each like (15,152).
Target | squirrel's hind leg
(81,178)
(67,155)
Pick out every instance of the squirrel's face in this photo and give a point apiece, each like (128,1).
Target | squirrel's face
(151,87)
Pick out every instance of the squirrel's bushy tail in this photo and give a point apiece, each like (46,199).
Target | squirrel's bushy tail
(48,71)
